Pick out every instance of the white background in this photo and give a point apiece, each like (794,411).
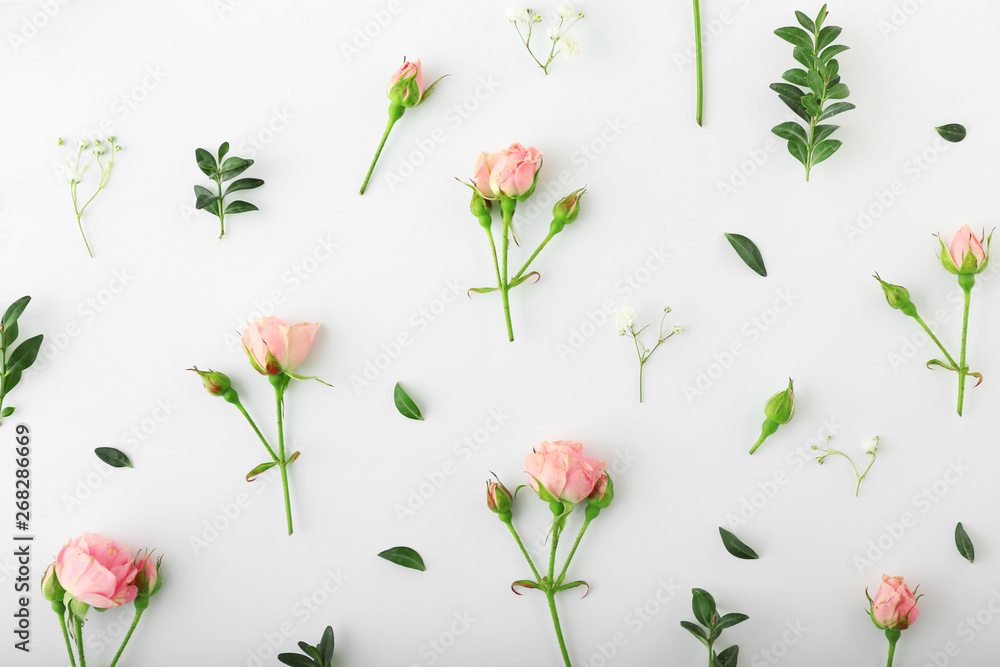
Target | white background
(281,75)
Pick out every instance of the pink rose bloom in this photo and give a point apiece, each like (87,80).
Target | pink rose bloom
(274,347)
(483,169)
(895,606)
(97,571)
(563,470)
(406,73)
(514,170)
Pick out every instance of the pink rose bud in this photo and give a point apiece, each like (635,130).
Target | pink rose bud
(216,383)
(481,176)
(406,86)
(147,579)
(97,572)
(499,499)
(274,347)
(894,606)
(560,471)
(966,254)
(566,211)
(515,172)
(603,493)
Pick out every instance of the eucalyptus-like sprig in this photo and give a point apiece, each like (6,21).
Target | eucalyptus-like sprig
(320,655)
(13,361)
(712,625)
(221,171)
(77,167)
(816,52)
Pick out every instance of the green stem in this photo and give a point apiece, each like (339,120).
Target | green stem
(531,564)
(583,529)
(279,399)
(395,113)
(934,338)
(128,636)
(862,476)
(79,641)
(550,594)
(65,631)
(257,431)
(3,368)
(698,63)
(532,258)
(893,637)
(767,429)
(222,212)
(79,218)
(496,262)
(962,368)
(507,207)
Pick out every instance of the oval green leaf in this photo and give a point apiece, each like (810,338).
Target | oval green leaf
(24,355)
(206,162)
(703,606)
(240,206)
(952,132)
(964,544)
(696,631)
(736,547)
(14,311)
(404,556)
(796,36)
(113,457)
(748,252)
(790,130)
(825,150)
(405,404)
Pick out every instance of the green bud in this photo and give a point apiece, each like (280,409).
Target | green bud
(568,208)
(897,296)
(499,499)
(603,493)
(482,208)
(779,410)
(77,608)
(52,590)
(216,383)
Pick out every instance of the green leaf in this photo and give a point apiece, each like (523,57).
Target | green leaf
(834,109)
(821,132)
(10,381)
(798,151)
(806,22)
(748,252)
(696,631)
(952,132)
(405,404)
(804,56)
(796,76)
(736,547)
(788,90)
(312,652)
(263,467)
(9,335)
(821,17)
(789,130)
(24,355)
(811,103)
(295,660)
(729,620)
(796,106)
(240,206)
(326,646)
(234,166)
(15,309)
(7,412)
(404,556)
(838,92)
(202,191)
(729,657)
(205,200)
(223,149)
(206,162)
(964,544)
(833,71)
(244,184)
(828,53)
(796,36)
(815,82)
(824,150)
(113,457)
(826,36)
(703,605)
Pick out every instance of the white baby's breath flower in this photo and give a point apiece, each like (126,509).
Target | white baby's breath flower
(871,446)
(554,34)
(73,177)
(99,149)
(519,15)
(678,330)
(569,45)
(567,11)
(624,320)
(83,143)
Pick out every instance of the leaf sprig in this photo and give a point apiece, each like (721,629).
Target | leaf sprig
(816,52)
(712,625)
(320,655)
(13,363)
(221,171)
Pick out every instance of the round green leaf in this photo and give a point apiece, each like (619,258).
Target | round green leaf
(952,132)
(404,556)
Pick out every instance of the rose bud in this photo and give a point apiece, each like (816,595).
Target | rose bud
(481,208)
(560,471)
(147,579)
(894,606)
(966,255)
(215,382)
(600,498)
(406,85)
(566,211)
(274,347)
(779,410)
(499,499)
(897,296)
(515,172)
(52,590)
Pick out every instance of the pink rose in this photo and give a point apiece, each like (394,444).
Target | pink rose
(274,347)
(563,471)
(895,606)
(514,170)
(483,168)
(406,85)
(966,253)
(97,571)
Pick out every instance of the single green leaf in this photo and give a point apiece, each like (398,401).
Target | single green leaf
(295,660)
(405,404)
(828,53)
(796,106)
(404,556)
(826,149)
(326,646)
(798,151)
(806,22)
(795,76)
(834,109)
(10,381)
(796,36)
(736,547)
(244,184)
(952,132)
(788,90)
(206,162)
(811,104)
(826,36)
(838,92)
(113,457)
(14,311)
(240,206)
(696,631)
(263,467)
(729,620)
(815,82)
(804,56)
(24,355)
(748,252)
(202,191)
(821,132)
(312,652)
(964,544)
(703,605)
(789,130)
(7,412)
(234,166)
(223,149)
(205,200)
(729,657)
(9,335)
(821,17)
(833,71)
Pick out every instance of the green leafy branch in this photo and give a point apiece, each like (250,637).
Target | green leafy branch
(320,655)
(14,362)
(815,51)
(232,167)
(712,625)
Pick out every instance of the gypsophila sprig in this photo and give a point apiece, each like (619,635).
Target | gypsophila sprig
(964,258)
(815,51)
(76,169)
(625,323)
(221,171)
(869,447)
(566,17)
(711,627)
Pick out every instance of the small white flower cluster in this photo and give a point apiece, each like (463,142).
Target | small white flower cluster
(624,320)
(522,15)
(871,446)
